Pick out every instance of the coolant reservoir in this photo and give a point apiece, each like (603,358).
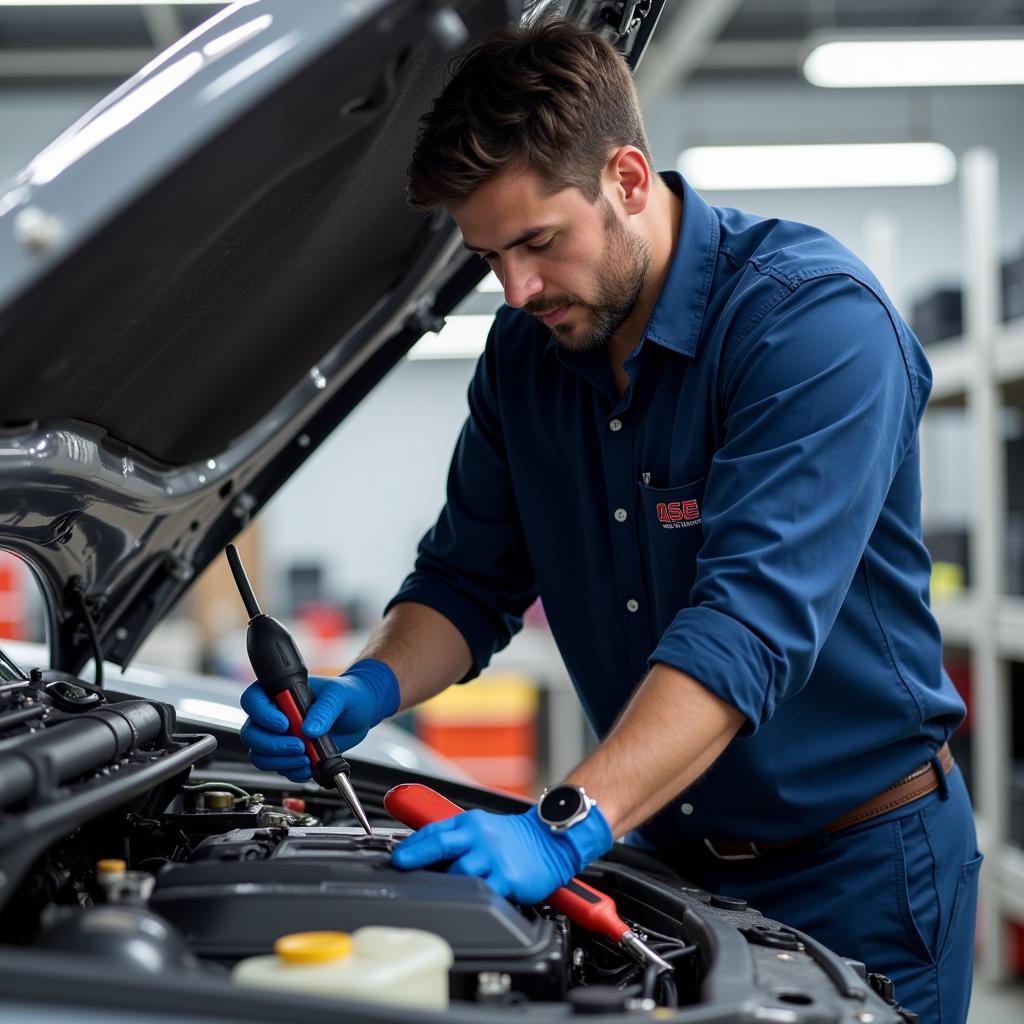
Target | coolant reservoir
(398,966)
(121,885)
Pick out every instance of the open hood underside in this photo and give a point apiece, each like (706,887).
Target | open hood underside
(204,275)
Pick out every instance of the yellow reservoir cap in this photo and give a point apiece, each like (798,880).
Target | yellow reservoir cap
(111,866)
(313,947)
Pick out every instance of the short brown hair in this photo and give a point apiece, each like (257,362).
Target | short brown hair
(553,97)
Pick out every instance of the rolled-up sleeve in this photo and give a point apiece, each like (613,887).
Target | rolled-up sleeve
(820,408)
(473,566)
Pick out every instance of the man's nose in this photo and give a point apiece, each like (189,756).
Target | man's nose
(521,284)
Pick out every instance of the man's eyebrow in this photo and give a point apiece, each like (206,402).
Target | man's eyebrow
(525,237)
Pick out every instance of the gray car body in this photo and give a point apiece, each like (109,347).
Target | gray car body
(74,502)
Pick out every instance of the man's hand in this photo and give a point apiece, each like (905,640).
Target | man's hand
(348,707)
(517,855)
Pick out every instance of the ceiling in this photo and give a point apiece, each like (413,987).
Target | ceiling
(712,39)
(739,40)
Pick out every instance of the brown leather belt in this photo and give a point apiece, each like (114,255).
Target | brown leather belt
(918,783)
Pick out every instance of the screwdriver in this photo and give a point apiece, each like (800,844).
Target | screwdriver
(283,675)
(416,805)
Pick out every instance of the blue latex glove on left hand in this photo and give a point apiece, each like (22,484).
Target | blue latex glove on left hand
(517,855)
(348,707)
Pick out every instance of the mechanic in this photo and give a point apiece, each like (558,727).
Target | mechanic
(694,434)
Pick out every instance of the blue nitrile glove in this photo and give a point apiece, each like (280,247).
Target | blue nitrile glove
(348,707)
(517,855)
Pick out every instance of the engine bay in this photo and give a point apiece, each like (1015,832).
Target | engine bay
(238,890)
(132,850)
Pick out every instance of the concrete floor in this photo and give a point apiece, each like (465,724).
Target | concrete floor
(1002,1004)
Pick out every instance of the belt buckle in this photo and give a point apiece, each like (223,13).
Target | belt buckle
(755,853)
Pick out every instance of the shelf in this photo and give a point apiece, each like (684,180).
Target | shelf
(1009,878)
(1004,870)
(1010,628)
(974,371)
(1009,353)
(951,361)
(961,622)
(958,619)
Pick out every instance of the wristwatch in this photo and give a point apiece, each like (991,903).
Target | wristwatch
(563,806)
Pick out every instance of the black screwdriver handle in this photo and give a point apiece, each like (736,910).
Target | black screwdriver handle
(282,673)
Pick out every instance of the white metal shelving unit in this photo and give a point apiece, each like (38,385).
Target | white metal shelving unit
(972,371)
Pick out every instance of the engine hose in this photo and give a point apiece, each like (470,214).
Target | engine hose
(68,750)
(211,787)
(650,982)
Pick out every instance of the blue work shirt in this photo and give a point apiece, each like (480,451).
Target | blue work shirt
(748,513)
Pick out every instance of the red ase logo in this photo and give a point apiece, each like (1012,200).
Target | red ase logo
(678,511)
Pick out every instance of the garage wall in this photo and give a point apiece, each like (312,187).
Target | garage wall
(362,502)
(927,220)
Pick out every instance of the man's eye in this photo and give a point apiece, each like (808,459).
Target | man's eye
(542,247)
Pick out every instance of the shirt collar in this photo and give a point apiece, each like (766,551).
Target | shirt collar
(679,312)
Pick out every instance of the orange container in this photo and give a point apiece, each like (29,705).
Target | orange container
(1015,949)
(12,596)
(488,728)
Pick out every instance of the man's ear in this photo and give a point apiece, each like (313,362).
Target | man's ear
(629,174)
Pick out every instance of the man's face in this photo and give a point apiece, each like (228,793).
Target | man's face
(569,262)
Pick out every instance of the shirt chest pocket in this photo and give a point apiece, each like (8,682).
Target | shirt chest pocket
(672,536)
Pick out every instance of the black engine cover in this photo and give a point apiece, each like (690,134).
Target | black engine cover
(244,889)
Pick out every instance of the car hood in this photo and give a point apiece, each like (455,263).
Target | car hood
(203,275)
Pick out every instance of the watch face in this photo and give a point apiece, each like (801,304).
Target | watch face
(560,804)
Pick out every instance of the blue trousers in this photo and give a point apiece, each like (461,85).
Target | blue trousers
(898,893)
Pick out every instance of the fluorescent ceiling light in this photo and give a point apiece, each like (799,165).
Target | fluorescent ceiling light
(462,337)
(856,61)
(866,165)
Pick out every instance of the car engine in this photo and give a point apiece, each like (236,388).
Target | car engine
(132,849)
(238,890)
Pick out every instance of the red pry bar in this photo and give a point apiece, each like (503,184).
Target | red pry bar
(416,805)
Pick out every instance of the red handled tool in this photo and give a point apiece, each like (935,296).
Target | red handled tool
(282,673)
(415,805)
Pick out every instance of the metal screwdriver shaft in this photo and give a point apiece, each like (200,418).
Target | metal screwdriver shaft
(346,790)
(641,952)
(252,606)
(282,674)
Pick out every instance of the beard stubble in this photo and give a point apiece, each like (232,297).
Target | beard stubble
(621,276)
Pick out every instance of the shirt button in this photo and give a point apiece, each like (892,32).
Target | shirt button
(686,808)
(633,605)
(615,425)
(621,515)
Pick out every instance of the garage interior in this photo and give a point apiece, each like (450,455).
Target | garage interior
(719,74)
